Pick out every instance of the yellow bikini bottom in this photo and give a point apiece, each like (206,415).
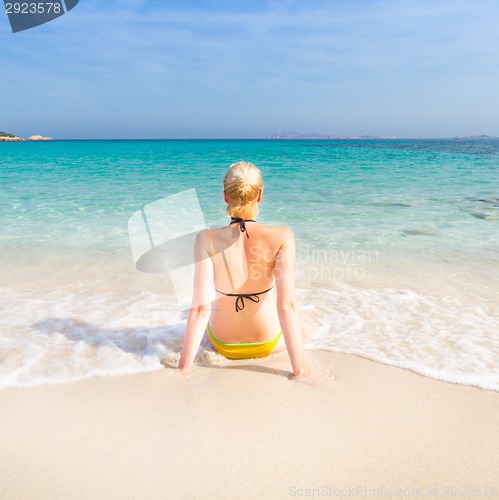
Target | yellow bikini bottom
(246,350)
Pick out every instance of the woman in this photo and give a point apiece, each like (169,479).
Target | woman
(246,261)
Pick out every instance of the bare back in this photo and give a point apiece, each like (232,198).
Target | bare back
(244,265)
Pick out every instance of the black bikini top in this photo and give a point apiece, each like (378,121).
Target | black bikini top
(241,296)
(254,297)
(242,224)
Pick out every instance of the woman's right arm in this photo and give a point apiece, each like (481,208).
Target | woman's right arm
(286,302)
(199,312)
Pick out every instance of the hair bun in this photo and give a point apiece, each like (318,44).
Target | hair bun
(242,183)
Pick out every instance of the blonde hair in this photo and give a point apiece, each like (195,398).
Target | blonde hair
(242,183)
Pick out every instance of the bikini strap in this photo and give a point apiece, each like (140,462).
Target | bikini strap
(254,297)
(211,243)
(242,224)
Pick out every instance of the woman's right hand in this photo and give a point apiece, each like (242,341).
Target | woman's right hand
(313,378)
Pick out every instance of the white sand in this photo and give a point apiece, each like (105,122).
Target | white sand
(247,431)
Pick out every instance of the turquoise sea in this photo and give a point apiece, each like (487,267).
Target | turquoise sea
(397,246)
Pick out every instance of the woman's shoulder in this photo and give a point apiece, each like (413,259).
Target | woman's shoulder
(283,230)
(279,235)
(280,232)
(203,240)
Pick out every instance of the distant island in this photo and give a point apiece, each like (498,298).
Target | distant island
(468,137)
(9,137)
(288,135)
(313,135)
(5,137)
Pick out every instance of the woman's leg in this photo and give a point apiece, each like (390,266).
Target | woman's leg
(280,346)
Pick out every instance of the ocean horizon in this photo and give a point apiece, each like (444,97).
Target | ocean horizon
(305,137)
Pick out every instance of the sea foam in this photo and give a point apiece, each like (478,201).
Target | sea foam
(63,337)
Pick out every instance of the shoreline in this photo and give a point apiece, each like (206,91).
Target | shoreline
(247,432)
(99,315)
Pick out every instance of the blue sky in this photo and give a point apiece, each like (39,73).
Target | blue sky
(162,69)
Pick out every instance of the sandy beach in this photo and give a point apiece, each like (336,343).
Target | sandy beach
(247,431)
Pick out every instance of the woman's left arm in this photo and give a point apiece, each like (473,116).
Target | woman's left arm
(200,310)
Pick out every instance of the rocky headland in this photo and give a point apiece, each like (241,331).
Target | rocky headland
(5,137)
